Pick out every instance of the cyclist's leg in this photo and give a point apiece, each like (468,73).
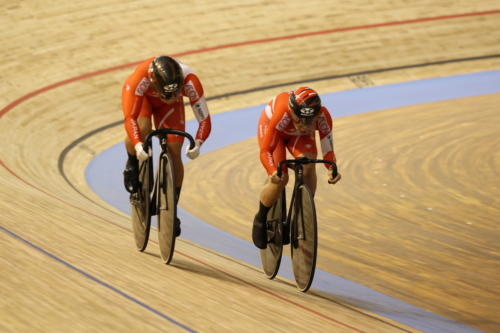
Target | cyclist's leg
(270,192)
(173,117)
(305,146)
(174,149)
(131,173)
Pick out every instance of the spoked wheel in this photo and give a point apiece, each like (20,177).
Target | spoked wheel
(271,256)
(304,239)
(140,203)
(167,209)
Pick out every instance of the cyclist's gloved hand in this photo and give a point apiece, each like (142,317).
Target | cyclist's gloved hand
(140,153)
(275,179)
(332,180)
(195,152)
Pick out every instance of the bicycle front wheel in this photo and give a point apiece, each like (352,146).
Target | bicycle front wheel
(304,241)
(166,208)
(140,205)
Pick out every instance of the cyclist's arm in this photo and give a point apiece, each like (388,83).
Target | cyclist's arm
(267,149)
(194,91)
(132,97)
(277,111)
(324,127)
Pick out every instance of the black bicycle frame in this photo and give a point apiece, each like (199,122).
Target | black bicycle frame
(148,146)
(296,195)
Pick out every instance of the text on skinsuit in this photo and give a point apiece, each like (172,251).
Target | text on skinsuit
(323,125)
(135,129)
(199,111)
(191,91)
(327,144)
(270,158)
(142,87)
(202,128)
(283,122)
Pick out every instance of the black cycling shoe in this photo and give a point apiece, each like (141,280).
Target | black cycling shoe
(259,233)
(131,179)
(177,225)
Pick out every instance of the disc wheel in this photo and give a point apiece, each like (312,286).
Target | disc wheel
(140,205)
(166,208)
(271,256)
(304,240)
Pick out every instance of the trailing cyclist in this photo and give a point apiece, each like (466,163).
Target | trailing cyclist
(291,120)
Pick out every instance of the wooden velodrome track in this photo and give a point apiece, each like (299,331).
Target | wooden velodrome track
(67,260)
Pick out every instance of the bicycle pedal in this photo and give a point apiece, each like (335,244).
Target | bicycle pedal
(270,236)
(134,199)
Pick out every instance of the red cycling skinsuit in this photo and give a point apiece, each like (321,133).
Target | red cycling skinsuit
(140,99)
(276,131)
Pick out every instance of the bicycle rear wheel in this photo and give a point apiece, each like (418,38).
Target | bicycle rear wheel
(166,208)
(271,256)
(304,240)
(140,205)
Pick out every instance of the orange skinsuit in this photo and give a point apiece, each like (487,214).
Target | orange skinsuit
(276,130)
(140,99)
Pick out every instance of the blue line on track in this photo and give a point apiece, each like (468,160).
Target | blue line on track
(130,298)
(104,177)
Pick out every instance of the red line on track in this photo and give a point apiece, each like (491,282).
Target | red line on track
(187,256)
(267,40)
(257,41)
(273,294)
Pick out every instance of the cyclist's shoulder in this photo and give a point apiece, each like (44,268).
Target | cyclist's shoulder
(186,71)
(280,102)
(140,74)
(144,66)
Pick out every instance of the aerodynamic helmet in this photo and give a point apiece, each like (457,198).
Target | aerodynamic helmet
(305,105)
(166,77)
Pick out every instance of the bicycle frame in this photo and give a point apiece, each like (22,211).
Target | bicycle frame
(296,194)
(148,147)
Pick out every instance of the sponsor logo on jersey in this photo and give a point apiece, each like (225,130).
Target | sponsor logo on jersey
(308,146)
(306,112)
(283,122)
(135,129)
(270,158)
(171,87)
(142,87)
(201,130)
(191,92)
(199,110)
(330,141)
(323,125)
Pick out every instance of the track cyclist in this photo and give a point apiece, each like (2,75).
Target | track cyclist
(155,90)
(290,120)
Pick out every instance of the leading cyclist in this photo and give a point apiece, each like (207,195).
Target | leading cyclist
(155,90)
(291,120)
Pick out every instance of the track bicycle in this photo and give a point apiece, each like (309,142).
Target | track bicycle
(157,196)
(297,228)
